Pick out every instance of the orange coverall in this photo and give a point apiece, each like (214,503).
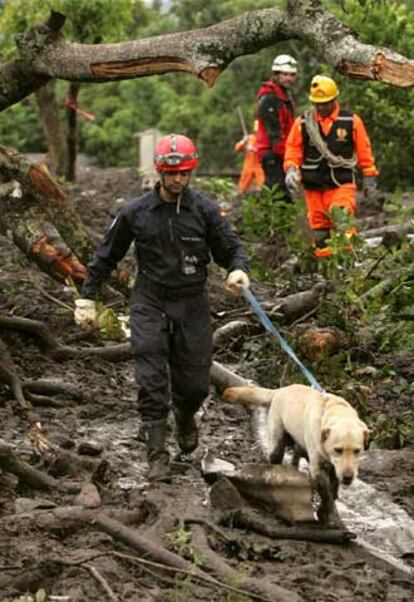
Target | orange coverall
(319,202)
(252,171)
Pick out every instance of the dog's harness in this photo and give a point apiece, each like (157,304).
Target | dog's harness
(269,326)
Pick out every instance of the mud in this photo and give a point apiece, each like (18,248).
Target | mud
(57,560)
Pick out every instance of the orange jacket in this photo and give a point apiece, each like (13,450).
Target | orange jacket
(365,158)
(248,145)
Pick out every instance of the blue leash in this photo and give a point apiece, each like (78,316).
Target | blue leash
(264,319)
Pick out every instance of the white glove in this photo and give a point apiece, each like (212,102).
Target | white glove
(17,191)
(85,314)
(292,180)
(235,280)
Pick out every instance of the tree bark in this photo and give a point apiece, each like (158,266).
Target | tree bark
(43,223)
(53,128)
(205,53)
(9,376)
(72,138)
(30,475)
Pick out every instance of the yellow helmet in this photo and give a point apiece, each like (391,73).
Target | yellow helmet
(323,89)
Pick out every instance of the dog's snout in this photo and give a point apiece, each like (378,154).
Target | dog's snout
(347,479)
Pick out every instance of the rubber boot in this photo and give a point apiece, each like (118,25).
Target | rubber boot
(157,455)
(186,431)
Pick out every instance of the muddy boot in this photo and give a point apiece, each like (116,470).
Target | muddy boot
(186,431)
(157,454)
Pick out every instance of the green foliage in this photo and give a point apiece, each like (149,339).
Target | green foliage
(109,324)
(393,432)
(221,189)
(387,112)
(180,538)
(267,216)
(20,128)
(88,21)
(178,102)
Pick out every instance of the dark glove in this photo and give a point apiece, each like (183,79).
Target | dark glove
(369,185)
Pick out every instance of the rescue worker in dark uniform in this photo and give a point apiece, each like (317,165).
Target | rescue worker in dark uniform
(175,230)
(325,147)
(275,113)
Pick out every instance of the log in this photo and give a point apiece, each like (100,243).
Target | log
(246,519)
(62,461)
(404,228)
(69,517)
(214,563)
(44,224)
(232,329)
(389,282)
(8,375)
(114,353)
(222,377)
(49,386)
(295,306)
(30,475)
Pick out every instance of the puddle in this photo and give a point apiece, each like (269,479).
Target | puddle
(381,526)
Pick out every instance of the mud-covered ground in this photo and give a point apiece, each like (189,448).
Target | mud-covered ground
(78,562)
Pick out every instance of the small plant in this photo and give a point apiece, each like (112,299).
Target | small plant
(221,188)
(109,323)
(180,538)
(343,242)
(268,216)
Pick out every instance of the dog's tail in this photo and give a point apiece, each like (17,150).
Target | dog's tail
(248,396)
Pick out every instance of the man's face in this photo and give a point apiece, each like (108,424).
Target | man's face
(284,79)
(175,182)
(324,109)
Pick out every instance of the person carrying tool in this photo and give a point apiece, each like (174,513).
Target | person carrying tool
(175,230)
(323,150)
(275,113)
(252,173)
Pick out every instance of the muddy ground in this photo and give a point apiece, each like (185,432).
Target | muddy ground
(75,562)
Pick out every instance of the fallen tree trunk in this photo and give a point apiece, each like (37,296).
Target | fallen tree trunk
(391,281)
(404,228)
(213,562)
(244,519)
(114,353)
(297,305)
(70,517)
(43,223)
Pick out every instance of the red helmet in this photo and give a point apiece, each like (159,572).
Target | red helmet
(175,153)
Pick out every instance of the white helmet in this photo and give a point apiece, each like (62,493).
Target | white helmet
(284,63)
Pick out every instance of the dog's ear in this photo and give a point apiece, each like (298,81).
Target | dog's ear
(324,434)
(366,438)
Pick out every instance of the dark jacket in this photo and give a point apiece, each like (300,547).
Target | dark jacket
(316,173)
(275,112)
(173,243)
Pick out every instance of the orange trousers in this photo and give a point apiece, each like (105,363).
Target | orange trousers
(252,174)
(320,202)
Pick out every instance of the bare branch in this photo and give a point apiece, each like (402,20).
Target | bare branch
(205,53)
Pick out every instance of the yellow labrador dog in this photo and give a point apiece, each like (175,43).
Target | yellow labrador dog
(326,428)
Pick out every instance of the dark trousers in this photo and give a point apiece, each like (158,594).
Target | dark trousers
(171,339)
(274,174)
